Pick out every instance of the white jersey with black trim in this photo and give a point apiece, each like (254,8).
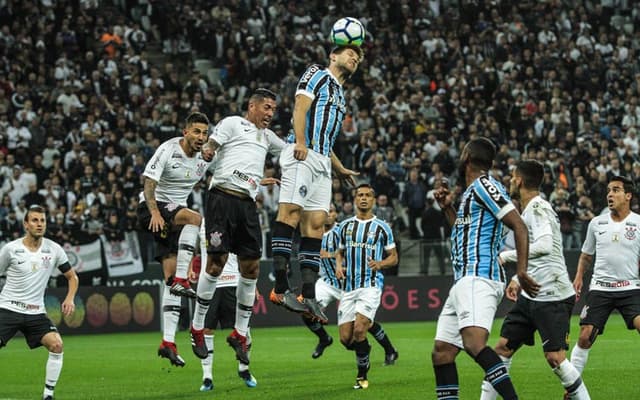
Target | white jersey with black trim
(241,154)
(546,263)
(175,172)
(617,252)
(28,274)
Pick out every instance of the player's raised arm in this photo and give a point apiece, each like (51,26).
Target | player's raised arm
(300,109)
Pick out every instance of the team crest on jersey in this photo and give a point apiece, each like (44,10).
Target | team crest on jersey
(302,190)
(215,239)
(630,233)
(46,262)
(171,206)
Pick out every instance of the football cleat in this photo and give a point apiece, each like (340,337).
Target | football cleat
(207,385)
(248,379)
(390,358)
(361,383)
(170,351)
(181,287)
(287,300)
(313,308)
(323,344)
(239,344)
(197,343)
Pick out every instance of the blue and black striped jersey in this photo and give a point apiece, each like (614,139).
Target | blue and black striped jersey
(478,233)
(327,258)
(361,241)
(328,108)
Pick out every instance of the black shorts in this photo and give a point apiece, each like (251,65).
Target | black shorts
(33,327)
(600,305)
(222,310)
(552,320)
(232,225)
(167,238)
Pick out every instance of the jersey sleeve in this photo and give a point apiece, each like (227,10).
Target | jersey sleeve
(589,245)
(389,240)
(308,83)
(340,237)
(62,260)
(275,143)
(4,260)
(223,132)
(157,163)
(493,198)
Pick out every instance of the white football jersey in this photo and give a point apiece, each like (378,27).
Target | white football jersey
(175,173)
(242,153)
(28,274)
(549,270)
(617,252)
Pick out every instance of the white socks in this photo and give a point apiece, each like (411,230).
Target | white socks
(579,357)
(206,288)
(570,378)
(246,294)
(207,363)
(170,315)
(187,241)
(53,369)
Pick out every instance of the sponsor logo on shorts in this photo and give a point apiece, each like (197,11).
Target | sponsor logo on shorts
(215,239)
(302,190)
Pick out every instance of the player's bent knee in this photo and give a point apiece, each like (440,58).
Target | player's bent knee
(554,358)
(443,353)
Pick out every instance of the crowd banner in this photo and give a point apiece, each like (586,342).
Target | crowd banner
(84,258)
(123,257)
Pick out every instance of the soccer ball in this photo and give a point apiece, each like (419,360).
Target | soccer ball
(347,31)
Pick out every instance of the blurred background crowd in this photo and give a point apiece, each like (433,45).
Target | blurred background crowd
(89,89)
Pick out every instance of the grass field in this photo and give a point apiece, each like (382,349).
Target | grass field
(125,366)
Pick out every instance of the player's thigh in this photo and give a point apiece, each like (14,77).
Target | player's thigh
(326,294)
(476,301)
(629,307)
(519,325)
(246,237)
(319,198)
(553,321)
(347,308)
(35,327)
(297,179)
(10,324)
(367,302)
(447,328)
(597,309)
(187,216)
(219,214)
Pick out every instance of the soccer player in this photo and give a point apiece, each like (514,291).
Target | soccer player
(28,263)
(329,289)
(222,312)
(615,239)
(231,218)
(305,194)
(170,175)
(550,312)
(477,235)
(363,241)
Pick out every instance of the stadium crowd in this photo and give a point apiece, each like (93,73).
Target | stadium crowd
(87,94)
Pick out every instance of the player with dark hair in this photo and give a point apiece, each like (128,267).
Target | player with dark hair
(614,237)
(307,164)
(550,312)
(241,144)
(170,175)
(365,247)
(477,235)
(28,263)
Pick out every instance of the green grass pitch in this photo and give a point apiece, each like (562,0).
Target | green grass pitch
(125,366)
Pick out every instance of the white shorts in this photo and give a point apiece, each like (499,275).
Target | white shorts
(326,293)
(305,183)
(472,301)
(364,301)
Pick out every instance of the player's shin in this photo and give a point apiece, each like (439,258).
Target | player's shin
(246,295)
(309,257)
(281,250)
(170,315)
(207,363)
(579,357)
(206,288)
(447,385)
(53,369)
(571,380)
(496,373)
(362,350)
(186,247)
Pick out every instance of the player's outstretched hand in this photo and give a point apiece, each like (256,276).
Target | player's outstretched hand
(300,151)
(444,197)
(527,283)
(269,181)
(512,290)
(68,307)
(346,175)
